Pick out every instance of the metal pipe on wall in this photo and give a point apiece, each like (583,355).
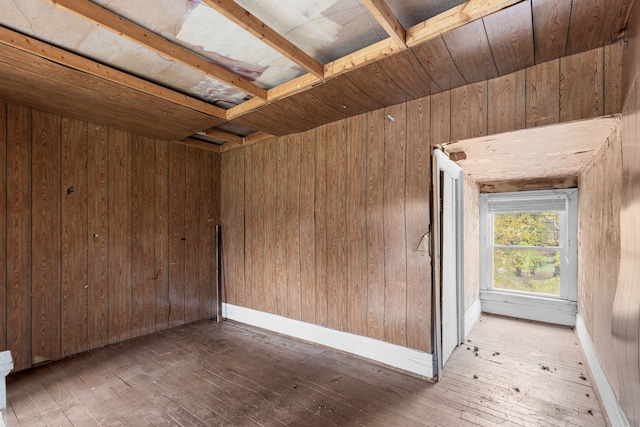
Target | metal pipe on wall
(218,273)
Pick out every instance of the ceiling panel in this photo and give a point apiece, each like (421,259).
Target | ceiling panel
(550,28)
(469,48)
(280,118)
(200,56)
(341,93)
(436,60)
(314,110)
(412,12)
(325,29)
(377,84)
(30,80)
(407,72)
(256,119)
(53,25)
(595,23)
(196,26)
(510,34)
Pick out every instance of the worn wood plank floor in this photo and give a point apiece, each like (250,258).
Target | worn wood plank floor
(510,372)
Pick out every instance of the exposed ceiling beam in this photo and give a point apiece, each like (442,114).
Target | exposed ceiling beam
(245,107)
(223,135)
(385,17)
(104,18)
(256,137)
(232,141)
(297,85)
(456,17)
(192,142)
(51,53)
(399,39)
(260,30)
(247,140)
(305,82)
(362,57)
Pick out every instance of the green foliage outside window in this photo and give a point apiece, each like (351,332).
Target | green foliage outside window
(533,265)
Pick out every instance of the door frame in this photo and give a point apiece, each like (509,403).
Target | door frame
(442,164)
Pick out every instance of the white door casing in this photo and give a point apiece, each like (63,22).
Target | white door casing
(449,294)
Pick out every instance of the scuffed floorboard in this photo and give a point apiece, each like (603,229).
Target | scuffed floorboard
(206,374)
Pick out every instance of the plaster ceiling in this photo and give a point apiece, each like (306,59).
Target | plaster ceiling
(542,153)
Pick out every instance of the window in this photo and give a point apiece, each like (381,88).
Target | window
(529,252)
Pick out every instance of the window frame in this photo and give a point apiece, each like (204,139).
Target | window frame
(564,201)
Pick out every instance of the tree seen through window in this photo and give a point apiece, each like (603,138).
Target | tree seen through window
(527,251)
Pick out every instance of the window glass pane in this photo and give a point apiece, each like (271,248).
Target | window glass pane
(527,228)
(531,270)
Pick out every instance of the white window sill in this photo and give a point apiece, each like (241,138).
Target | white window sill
(532,307)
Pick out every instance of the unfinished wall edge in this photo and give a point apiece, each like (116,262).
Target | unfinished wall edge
(615,137)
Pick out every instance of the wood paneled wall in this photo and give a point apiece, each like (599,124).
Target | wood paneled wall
(570,88)
(323,226)
(108,237)
(599,249)
(105,235)
(625,325)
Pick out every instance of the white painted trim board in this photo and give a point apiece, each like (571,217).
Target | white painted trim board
(601,382)
(471,317)
(6,365)
(403,358)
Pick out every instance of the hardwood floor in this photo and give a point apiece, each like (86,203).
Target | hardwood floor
(510,372)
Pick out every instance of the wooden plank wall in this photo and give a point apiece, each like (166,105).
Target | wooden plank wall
(106,235)
(323,226)
(599,249)
(326,214)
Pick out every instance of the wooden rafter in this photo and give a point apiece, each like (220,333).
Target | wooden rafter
(247,140)
(418,34)
(456,17)
(223,135)
(134,32)
(297,85)
(305,82)
(385,17)
(246,107)
(232,141)
(51,53)
(399,40)
(362,57)
(192,142)
(260,30)
(256,137)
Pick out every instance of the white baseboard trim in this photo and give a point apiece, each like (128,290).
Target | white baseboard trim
(406,359)
(471,316)
(538,308)
(607,395)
